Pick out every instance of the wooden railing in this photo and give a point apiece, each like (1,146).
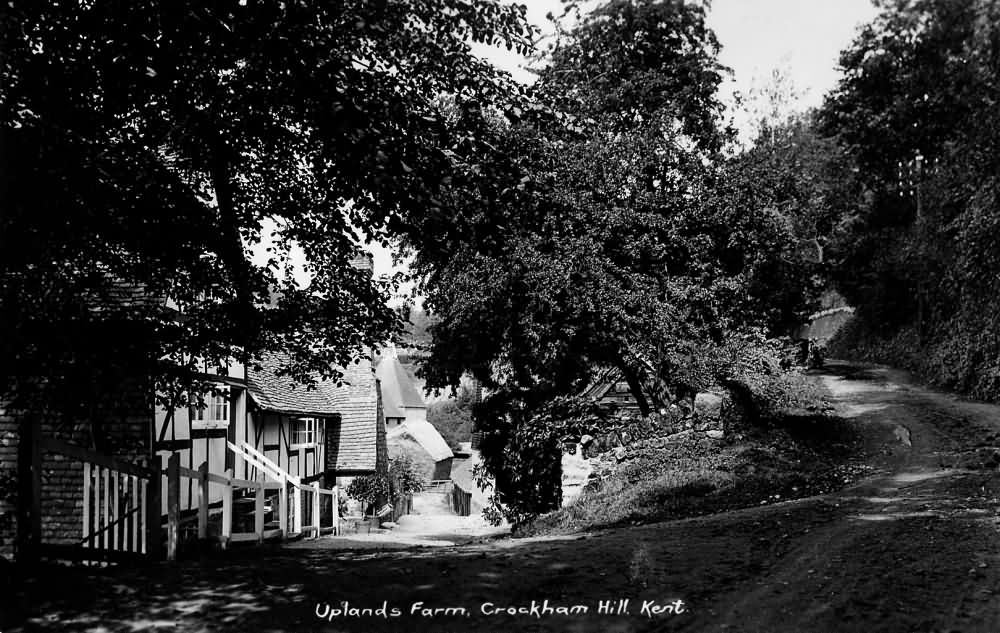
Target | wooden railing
(121,505)
(306,498)
(229,483)
(438,485)
(312,498)
(298,509)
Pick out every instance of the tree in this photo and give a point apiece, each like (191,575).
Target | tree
(145,147)
(453,418)
(400,480)
(606,242)
(916,113)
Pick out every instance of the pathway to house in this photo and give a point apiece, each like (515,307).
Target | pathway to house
(914,548)
(432,523)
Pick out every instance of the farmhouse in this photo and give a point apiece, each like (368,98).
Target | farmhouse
(101,488)
(326,433)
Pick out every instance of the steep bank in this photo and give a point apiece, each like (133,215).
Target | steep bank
(956,358)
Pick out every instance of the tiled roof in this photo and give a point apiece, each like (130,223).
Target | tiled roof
(280,394)
(397,388)
(356,446)
(351,445)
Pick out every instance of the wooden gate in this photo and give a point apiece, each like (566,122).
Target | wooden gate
(121,518)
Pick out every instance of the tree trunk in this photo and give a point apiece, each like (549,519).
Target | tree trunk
(231,242)
(635,386)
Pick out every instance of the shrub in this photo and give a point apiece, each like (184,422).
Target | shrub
(401,480)
(403,477)
(369,490)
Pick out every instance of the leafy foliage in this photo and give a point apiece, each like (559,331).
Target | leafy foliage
(522,462)
(403,478)
(453,418)
(146,148)
(400,480)
(370,490)
(916,112)
(622,238)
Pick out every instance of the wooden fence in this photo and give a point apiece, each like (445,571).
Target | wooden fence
(121,506)
(477,439)
(297,507)
(402,506)
(461,501)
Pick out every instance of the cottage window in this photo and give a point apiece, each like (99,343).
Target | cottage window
(215,413)
(305,432)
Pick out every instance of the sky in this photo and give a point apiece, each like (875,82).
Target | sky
(803,38)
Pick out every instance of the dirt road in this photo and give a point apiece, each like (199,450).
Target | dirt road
(914,548)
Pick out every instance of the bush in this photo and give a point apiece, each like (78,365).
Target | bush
(369,490)
(401,480)
(955,356)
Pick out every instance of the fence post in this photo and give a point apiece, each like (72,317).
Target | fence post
(106,509)
(203,501)
(336,510)
(227,510)
(258,513)
(86,503)
(283,504)
(173,505)
(153,510)
(115,511)
(315,507)
(133,530)
(297,510)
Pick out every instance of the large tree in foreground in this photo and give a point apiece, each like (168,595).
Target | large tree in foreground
(146,148)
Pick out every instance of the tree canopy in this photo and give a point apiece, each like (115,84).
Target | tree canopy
(146,146)
(591,221)
(620,236)
(916,114)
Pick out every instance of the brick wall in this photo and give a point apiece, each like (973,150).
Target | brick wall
(8,478)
